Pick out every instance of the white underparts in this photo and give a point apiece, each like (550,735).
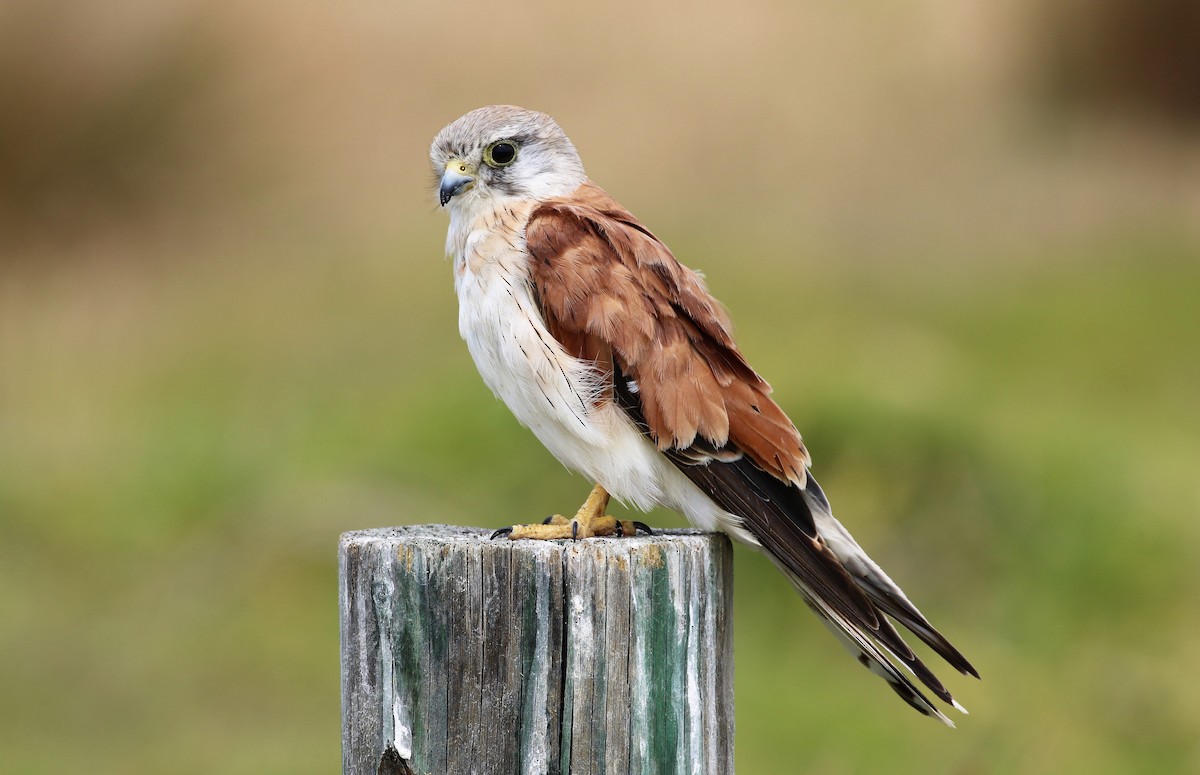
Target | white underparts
(549,391)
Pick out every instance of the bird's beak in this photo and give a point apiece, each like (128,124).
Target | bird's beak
(458,177)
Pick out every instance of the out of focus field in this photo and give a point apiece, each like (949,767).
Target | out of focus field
(962,240)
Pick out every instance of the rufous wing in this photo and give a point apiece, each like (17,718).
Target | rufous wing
(612,293)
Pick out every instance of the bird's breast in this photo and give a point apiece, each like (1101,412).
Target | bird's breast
(557,396)
(548,390)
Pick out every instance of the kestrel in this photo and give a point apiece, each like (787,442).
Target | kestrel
(619,360)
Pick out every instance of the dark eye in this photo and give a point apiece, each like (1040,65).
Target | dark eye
(500,154)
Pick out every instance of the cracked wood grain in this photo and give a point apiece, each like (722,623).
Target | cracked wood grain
(465,655)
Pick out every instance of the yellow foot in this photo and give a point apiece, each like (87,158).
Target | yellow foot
(589,521)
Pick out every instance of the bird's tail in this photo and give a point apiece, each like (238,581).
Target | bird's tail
(795,527)
(879,649)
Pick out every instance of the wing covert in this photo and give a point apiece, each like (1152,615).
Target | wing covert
(612,293)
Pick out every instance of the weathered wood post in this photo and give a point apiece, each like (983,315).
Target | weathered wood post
(463,655)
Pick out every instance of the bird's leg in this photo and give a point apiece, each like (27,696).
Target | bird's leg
(589,521)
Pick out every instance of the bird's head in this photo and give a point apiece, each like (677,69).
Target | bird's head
(503,151)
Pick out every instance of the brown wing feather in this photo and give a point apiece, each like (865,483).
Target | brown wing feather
(611,292)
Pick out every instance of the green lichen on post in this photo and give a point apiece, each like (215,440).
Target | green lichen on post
(605,655)
(664,653)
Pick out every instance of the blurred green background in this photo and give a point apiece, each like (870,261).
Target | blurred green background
(962,240)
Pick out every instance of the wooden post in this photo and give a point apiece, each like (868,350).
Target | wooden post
(468,656)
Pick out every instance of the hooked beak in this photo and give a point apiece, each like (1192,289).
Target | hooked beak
(457,178)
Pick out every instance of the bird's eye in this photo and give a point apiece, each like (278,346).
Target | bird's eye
(500,154)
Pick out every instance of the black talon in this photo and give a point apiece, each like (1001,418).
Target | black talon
(643,527)
(574,530)
(501,532)
(548,520)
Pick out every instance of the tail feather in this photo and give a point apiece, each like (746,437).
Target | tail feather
(796,528)
(871,656)
(836,578)
(876,584)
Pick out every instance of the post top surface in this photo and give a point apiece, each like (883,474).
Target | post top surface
(453,534)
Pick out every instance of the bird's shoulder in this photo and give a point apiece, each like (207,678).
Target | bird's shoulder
(612,292)
(587,244)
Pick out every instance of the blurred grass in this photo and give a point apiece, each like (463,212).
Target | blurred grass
(984,322)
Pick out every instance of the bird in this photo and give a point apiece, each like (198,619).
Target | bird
(619,360)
